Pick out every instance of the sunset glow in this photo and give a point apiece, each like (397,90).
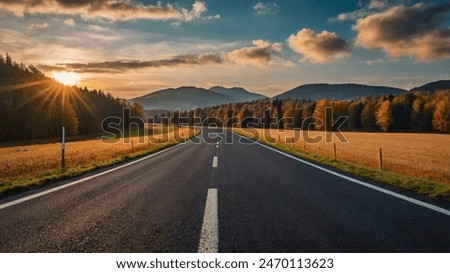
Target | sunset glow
(66,78)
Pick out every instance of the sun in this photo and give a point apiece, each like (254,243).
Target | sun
(66,78)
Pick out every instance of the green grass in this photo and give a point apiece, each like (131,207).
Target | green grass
(422,186)
(148,131)
(21,185)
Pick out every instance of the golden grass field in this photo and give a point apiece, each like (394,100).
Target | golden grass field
(23,162)
(418,155)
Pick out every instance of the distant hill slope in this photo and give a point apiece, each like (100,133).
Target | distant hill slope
(237,93)
(189,97)
(433,86)
(346,91)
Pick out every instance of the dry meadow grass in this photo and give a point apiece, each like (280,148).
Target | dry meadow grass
(418,155)
(23,162)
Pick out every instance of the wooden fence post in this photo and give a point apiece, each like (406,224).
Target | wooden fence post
(380,154)
(334,151)
(132,145)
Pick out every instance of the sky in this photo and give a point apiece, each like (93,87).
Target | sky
(130,48)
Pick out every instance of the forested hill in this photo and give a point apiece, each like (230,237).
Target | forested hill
(31,105)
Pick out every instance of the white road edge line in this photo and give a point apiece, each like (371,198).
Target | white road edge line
(215,162)
(33,196)
(209,236)
(388,192)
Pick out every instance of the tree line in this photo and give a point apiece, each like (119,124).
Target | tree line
(409,112)
(32,105)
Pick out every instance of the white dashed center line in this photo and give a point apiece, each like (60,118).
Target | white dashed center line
(209,237)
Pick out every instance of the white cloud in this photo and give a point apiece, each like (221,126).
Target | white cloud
(198,8)
(288,63)
(378,4)
(69,22)
(98,28)
(266,8)
(260,54)
(352,16)
(372,62)
(372,7)
(415,31)
(114,10)
(319,48)
(37,26)
(213,17)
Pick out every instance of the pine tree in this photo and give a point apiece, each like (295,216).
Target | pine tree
(368,115)
(267,118)
(307,114)
(441,115)
(419,117)
(245,117)
(354,115)
(8,60)
(384,116)
(72,121)
(322,121)
(290,118)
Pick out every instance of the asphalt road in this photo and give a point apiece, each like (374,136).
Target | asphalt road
(228,198)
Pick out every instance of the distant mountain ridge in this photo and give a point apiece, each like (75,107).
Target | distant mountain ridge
(433,86)
(238,93)
(347,91)
(189,97)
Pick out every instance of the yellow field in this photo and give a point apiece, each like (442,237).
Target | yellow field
(418,155)
(21,162)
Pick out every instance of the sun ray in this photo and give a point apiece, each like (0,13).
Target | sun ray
(23,85)
(48,91)
(76,97)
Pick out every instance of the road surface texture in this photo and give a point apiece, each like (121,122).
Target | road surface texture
(209,197)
